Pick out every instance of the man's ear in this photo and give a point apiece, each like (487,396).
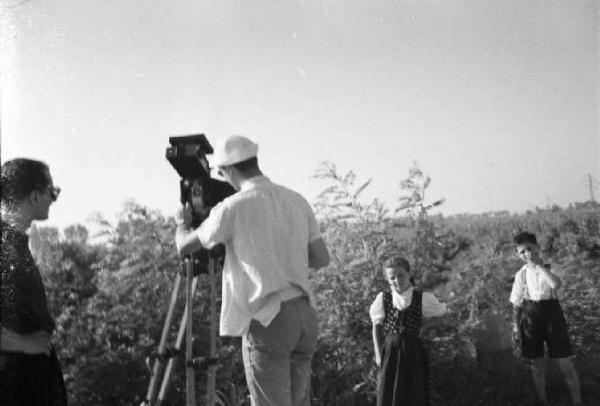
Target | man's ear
(34,197)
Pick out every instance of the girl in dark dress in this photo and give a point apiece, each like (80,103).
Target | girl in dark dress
(30,373)
(397,317)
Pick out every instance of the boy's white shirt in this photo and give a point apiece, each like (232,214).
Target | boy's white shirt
(431,306)
(537,287)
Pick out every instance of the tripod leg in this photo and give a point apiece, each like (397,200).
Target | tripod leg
(159,363)
(162,394)
(190,375)
(212,369)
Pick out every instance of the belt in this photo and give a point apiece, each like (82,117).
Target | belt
(540,298)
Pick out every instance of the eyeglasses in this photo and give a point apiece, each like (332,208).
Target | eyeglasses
(54,192)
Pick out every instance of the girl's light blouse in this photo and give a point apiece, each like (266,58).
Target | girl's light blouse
(431,306)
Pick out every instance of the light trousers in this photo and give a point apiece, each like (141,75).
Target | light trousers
(277,358)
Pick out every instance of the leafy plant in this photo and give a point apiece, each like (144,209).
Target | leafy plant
(110,292)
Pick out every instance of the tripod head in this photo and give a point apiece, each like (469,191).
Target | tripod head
(187,154)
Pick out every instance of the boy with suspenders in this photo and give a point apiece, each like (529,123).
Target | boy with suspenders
(539,319)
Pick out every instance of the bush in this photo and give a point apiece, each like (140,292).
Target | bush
(111,296)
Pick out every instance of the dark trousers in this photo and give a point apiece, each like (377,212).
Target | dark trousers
(543,321)
(31,380)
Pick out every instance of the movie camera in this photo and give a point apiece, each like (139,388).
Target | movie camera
(187,154)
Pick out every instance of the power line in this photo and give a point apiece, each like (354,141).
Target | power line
(592,182)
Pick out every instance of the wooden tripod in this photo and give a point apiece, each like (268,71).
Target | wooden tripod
(163,361)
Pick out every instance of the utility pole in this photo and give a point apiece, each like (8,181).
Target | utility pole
(591,187)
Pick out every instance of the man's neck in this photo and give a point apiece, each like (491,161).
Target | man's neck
(16,219)
(247,180)
(250,174)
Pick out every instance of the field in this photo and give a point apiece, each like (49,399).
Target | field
(110,294)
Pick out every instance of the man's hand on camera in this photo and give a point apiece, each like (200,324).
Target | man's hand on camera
(186,239)
(184,216)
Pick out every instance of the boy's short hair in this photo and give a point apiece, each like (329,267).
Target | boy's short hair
(20,177)
(525,238)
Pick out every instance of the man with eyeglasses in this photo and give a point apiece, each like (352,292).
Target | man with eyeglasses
(30,373)
(272,239)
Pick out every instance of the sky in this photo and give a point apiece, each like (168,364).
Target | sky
(496,100)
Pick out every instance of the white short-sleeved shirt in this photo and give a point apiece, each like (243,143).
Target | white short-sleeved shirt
(534,287)
(431,306)
(266,229)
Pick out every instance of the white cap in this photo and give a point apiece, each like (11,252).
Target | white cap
(232,150)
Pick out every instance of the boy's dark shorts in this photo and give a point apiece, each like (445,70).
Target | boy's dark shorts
(544,321)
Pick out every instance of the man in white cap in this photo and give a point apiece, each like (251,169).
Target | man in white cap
(272,239)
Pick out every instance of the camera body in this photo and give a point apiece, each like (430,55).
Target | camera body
(187,154)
